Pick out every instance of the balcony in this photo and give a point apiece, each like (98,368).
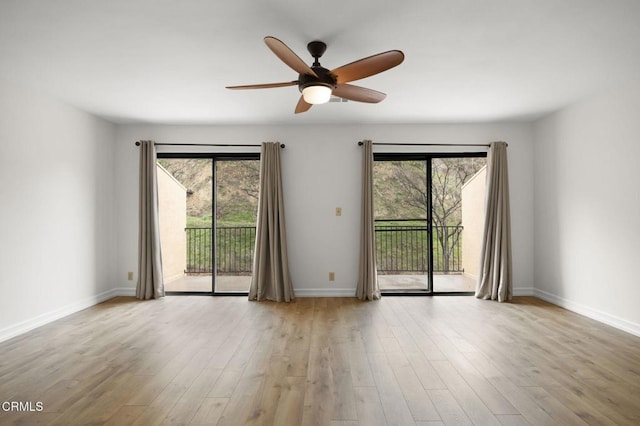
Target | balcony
(234,248)
(402,247)
(402,258)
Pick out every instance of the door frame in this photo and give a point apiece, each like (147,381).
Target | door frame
(215,157)
(427,157)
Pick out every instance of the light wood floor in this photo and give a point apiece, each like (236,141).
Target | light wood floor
(340,362)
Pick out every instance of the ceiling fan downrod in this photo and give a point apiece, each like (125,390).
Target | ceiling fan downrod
(316,49)
(324,76)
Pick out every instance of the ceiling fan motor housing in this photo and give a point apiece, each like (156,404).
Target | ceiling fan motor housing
(325,78)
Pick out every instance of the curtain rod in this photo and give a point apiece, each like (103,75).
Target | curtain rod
(204,144)
(427,144)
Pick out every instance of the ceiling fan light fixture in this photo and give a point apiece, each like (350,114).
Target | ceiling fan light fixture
(316,94)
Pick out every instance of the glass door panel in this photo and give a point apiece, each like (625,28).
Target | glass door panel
(457,194)
(208,209)
(401,225)
(237,183)
(185,204)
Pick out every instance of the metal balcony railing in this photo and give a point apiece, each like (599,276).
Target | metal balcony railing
(402,247)
(234,249)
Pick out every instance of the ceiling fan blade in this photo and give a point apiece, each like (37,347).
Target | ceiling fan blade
(264,86)
(368,66)
(302,106)
(359,94)
(287,56)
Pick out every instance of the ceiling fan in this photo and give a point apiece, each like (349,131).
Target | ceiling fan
(317,83)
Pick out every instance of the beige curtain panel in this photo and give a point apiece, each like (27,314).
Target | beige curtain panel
(270,279)
(495,280)
(367,288)
(150,280)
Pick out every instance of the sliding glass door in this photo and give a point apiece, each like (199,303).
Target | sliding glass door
(457,214)
(207,208)
(236,208)
(402,224)
(429,214)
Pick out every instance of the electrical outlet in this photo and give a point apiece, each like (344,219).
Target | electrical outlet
(332,276)
(130,276)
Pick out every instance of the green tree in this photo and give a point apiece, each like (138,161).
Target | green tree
(401,192)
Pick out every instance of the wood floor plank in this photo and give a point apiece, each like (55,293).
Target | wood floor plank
(421,407)
(512,420)
(344,406)
(126,415)
(448,408)
(470,402)
(369,407)
(592,413)
(489,395)
(519,398)
(242,404)
(226,383)
(110,400)
(291,402)
(393,402)
(425,372)
(560,413)
(188,404)
(359,368)
(319,398)
(209,411)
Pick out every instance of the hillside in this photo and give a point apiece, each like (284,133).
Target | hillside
(237,188)
(400,190)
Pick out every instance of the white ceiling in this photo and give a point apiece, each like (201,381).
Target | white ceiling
(167,61)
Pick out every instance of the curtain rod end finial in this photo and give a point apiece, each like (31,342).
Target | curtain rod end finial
(137,143)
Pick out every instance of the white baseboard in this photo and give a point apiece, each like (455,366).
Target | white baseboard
(325,292)
(523,291)
(124,291)
(47,317)
(603,317)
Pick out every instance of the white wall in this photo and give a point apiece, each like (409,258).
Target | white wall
(472,199)
(172,220)
(322,167)
(587,207)
(56,210)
